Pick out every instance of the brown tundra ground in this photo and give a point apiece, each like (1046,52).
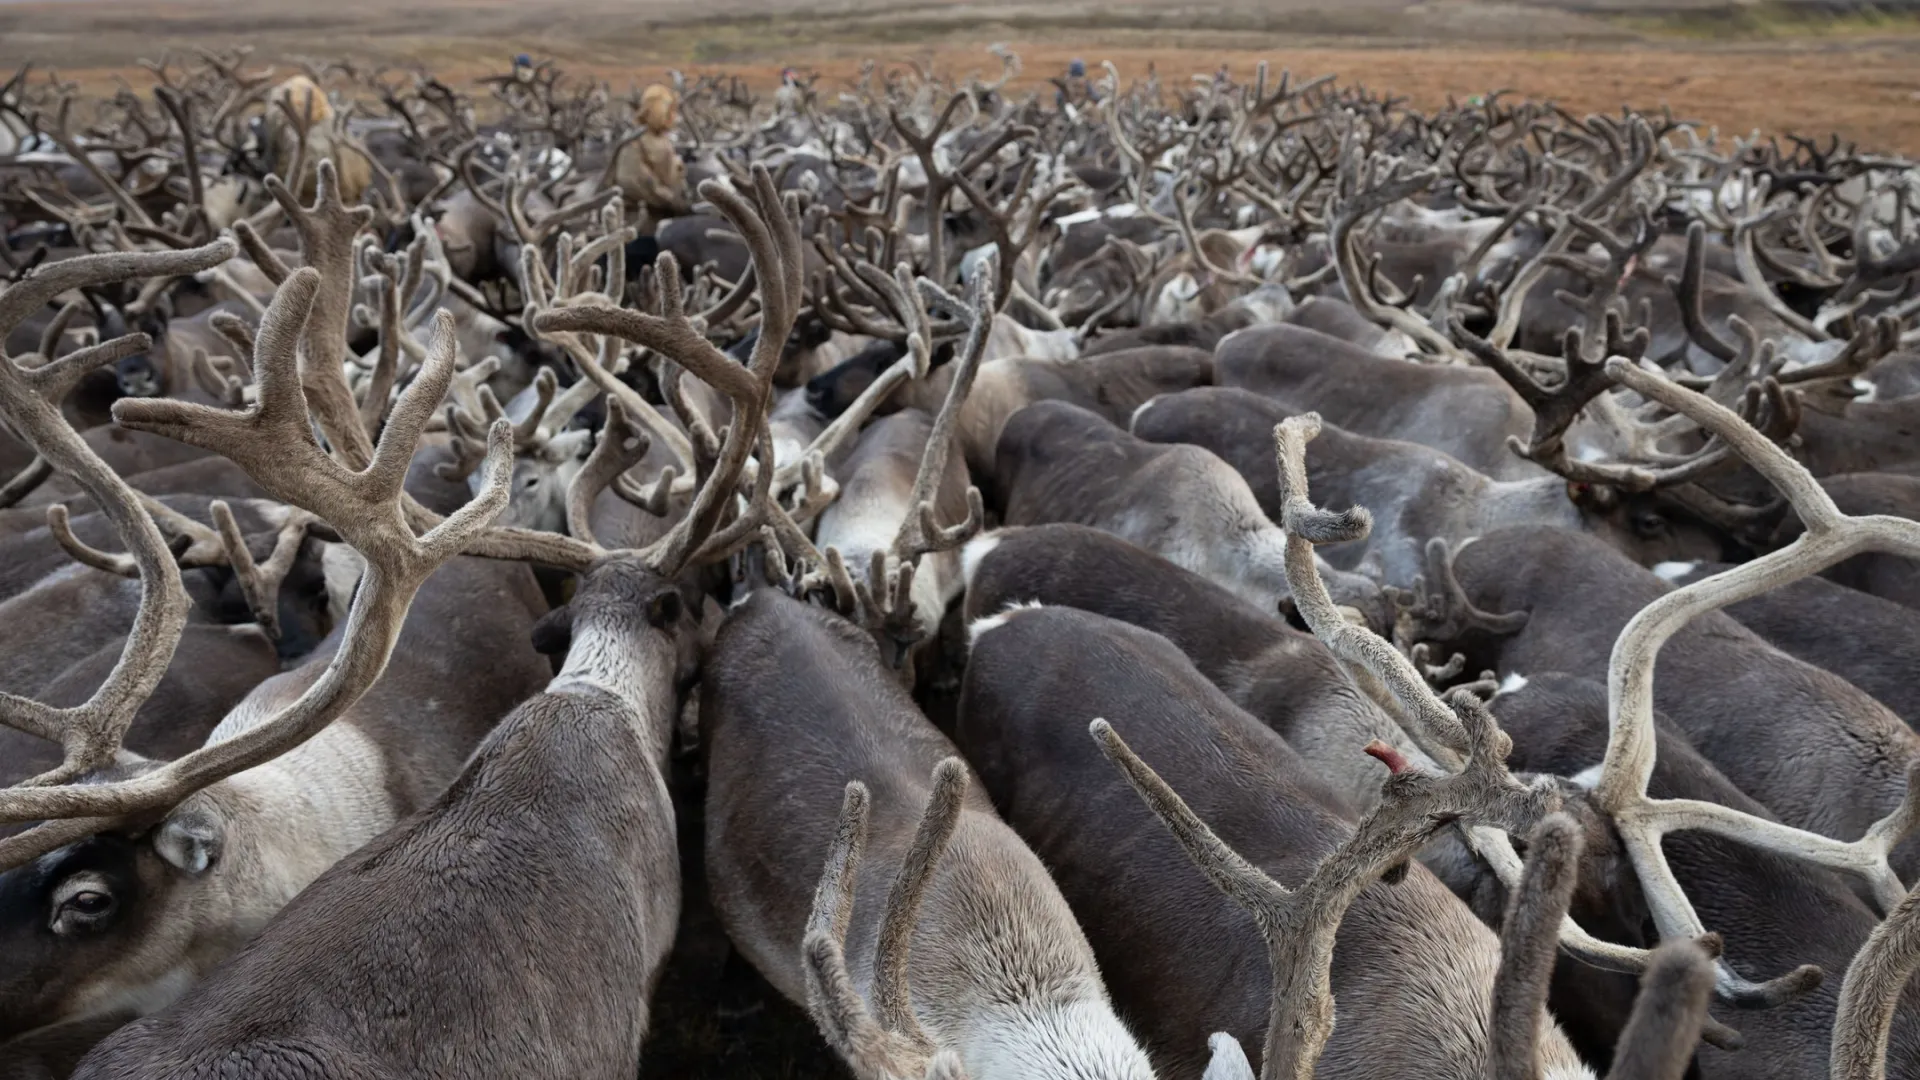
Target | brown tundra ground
(1766,67)
(1771,65)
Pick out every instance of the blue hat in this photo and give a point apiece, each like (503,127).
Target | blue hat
(523,60)
(1077,68)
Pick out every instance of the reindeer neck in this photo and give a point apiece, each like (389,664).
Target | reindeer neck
(635,670)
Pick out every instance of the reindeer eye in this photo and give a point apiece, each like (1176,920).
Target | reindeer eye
(84,909)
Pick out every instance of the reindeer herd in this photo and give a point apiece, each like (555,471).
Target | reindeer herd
(1148,580)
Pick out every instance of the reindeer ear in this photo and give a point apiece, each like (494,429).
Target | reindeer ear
(191,839)
(664,609)
(1229,1061)
(553,634)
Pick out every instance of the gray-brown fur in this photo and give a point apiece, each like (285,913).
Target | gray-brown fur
(213,668)
(1772,911)
(1872,643)
(1414,492)
(1060,463)
(1810,746)
(266,833)
(1113,384)
(1338,319)
(1888,576)
(795,703)
(1529,937)
(1659,1040)
(1467,412)
(1285,678)
(514,927)
(1203,333)
(1179,956)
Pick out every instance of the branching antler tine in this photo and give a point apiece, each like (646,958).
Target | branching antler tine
(620,447)
(1686,290)
(1628,764)
(847,424)
(386,367)
(25,481)
(1263,898)
(56,379)
(1871,991)
(833,898)
(1529,939)
(891,997)
(260,584)
(1660,1036)
(83,553)
(544,385)
(913,537)
(1306,526)
(29,294)
(260,254)
(90,734)
(836,1006)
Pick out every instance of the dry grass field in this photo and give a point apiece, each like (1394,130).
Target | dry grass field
(1762,66)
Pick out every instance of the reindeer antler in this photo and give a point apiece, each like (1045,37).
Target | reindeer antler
(892,1044)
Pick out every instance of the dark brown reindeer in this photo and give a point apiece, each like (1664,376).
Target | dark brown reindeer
(1774,910)
(569,788)
(1467,412)
(1621,786)
(1824,623)
(1416,493)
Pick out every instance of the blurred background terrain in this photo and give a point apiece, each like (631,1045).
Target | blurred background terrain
(1772,65)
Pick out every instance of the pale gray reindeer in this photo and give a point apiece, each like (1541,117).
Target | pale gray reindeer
(797,701)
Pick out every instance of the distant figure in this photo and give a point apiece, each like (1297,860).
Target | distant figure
(648,170)
(791,96)
(1074,88)
(299,102)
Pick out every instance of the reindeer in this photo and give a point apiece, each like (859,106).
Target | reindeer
(196,854)
(1417,494)
(589,752)
(1006,984)
(1060,463)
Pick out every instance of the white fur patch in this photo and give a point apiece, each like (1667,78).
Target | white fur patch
(1134,420)
(994,622)
(1229,1061)
(1513,683)
(1868,391)
(1588,778)
(1065,1041)
(1674,571)
(976,551)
